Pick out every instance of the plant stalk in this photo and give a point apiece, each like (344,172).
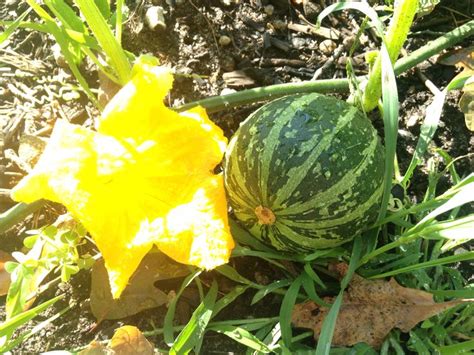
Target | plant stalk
(395,38)
(17,213)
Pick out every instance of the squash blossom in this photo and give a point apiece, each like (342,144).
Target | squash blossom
(144,178)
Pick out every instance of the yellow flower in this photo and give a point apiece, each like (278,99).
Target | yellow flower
(144,178)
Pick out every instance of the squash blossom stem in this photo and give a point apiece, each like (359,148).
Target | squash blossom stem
(396,36)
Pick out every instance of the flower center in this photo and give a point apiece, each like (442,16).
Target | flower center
(264,215)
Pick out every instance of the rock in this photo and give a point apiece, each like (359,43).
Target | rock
(227,91)
(224,40)
(227,64)
(298,42)
(269,10)
(155,18)
(279,25)
(311,10)
(327,46)
(58,56)
(229,2)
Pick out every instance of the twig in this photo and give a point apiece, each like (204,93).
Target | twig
(428,83)
(5,194)
(321,31)
(337,53)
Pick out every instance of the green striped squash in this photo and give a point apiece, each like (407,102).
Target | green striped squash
(305,172)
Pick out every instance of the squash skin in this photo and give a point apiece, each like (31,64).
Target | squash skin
(315,162)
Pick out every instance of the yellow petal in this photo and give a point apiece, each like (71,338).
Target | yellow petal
(144,178)
(199,226)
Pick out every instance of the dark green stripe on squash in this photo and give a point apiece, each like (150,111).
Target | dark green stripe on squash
(313,165)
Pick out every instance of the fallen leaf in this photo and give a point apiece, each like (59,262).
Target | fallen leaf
(370,309)
(129,340)
(94,348)
(4,275)
(466,103)
(140,293)
(126,340)
(30,149)
(463,58)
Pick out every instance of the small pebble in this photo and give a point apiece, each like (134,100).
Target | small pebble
(227,91)
(269,10)
(279,25)
(224,40)
(155,18)
(229,2)
(71,95)
(298,42)
(227,63)
(327,46)
(58,56)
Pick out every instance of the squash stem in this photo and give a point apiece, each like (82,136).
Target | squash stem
(396,35)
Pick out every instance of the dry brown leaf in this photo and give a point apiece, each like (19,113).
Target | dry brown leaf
(30,149)
(129,340)
(140,293)
(94,348)
(466,103)
(126,340)
(463,58)
(4,275)
(370,310)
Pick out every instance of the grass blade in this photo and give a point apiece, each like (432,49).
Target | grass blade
(168,322)
(232,274)
(464,293)
(66,15)
(18,213)
(8,327)
(329,323)
(99,27)
(427,131)
(308,286)
(390,119)
(13,26)
(269,289)
(228,299)
(242,336)
(465,347)
(431,263)
(286,310)
(193,331)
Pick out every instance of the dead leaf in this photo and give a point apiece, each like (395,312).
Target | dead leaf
(126,340)
(466,104)
(129,340)
(94,348)
(140,293)
(30,149)
(370,310)
(4,275)
(463,58)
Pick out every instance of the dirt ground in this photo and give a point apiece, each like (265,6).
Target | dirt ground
(216,47)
